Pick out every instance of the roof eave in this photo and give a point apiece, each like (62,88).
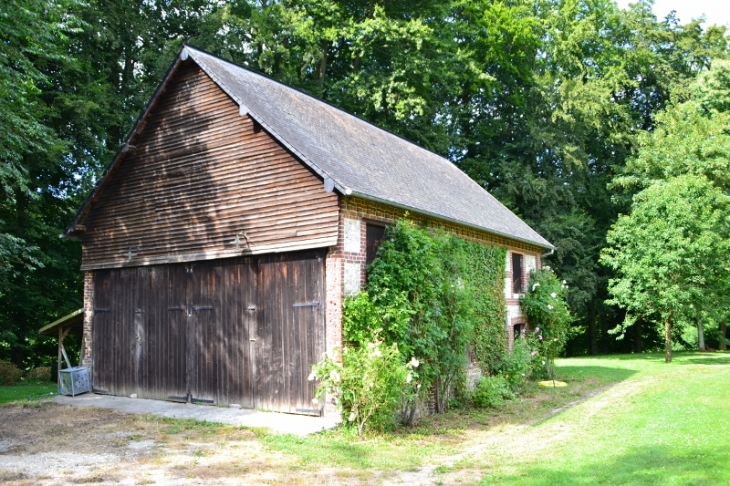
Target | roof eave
(361,195)
(60,322)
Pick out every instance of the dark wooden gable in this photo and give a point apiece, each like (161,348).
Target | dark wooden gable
(202,183)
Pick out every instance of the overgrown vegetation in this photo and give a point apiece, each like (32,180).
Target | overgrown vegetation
(430,296)
(547,312)
(370,382)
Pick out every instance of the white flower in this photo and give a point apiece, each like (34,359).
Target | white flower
(543,363)
(409,378)
(335,376)
(564,282)
(351,417)
(418,387)
(553,295)
(315,401)
(311,376)
(377,353)
(550,307)
(414,362)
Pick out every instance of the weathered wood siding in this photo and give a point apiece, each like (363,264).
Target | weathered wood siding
(200,175)
(243,330)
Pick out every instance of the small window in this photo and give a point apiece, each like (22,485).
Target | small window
(374,235)
(517,273)
(518,330)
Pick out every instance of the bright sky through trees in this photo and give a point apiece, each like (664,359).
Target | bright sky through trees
(715,11)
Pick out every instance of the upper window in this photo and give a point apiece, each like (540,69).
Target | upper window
(374,234)
(517,267)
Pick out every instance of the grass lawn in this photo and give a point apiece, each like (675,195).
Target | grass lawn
(663,424)
(630,420)
(622,420)
(26,391)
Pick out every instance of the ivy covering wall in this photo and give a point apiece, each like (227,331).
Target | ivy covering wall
(433,295)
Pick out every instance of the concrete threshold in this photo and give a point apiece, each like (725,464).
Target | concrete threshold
(280,423)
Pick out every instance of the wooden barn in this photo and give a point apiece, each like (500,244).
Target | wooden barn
(220,242)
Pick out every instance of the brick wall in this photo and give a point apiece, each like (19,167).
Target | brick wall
(346,269)
(87,359)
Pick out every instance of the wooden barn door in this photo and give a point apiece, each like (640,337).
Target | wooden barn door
(290,331)
(243,331)
(214,304)
(237,366)
(116,343)
(205,331)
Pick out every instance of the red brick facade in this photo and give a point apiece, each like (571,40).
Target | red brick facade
(86,356)
(343,257)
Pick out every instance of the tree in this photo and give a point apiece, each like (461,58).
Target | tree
(669,253)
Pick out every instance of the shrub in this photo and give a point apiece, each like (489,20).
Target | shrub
(517,366)
(9,373)
(547,312)
(369,385)
(491,392)
(42,373)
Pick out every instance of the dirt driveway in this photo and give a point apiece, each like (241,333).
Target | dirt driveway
(51,444)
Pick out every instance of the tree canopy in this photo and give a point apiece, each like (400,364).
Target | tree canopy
(542,102)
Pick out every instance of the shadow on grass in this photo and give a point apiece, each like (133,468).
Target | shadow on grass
(719,358)
(604,375)
(639,466)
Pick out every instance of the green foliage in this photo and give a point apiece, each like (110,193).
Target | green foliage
(492,392)
(9,373)
(435,294)
(369,385)
(522,364)
(41,373)
(484,277)
(547,312)
(670,252)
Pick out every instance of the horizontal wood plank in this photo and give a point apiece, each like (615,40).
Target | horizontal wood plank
(199,175)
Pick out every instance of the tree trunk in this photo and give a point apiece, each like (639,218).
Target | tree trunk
(701,336)
(605,345)
(723,334)
(637,336)
(322,69)
(668,339)
(593,346)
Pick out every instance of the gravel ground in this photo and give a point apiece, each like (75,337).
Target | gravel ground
(47,443)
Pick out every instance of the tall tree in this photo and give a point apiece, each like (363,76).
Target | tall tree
(669,252)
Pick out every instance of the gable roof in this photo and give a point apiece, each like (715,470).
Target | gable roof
(350,154)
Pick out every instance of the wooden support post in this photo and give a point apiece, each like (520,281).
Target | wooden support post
(60,346)
(63,350)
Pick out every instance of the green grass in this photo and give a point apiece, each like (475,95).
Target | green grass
(628,420)
(436,436)
(663,424)
(26,391)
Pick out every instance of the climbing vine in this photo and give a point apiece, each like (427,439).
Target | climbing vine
(433,294)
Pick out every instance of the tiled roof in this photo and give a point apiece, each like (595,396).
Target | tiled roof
(354,156)
(362,159)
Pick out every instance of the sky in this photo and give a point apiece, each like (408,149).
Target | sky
(715,11)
